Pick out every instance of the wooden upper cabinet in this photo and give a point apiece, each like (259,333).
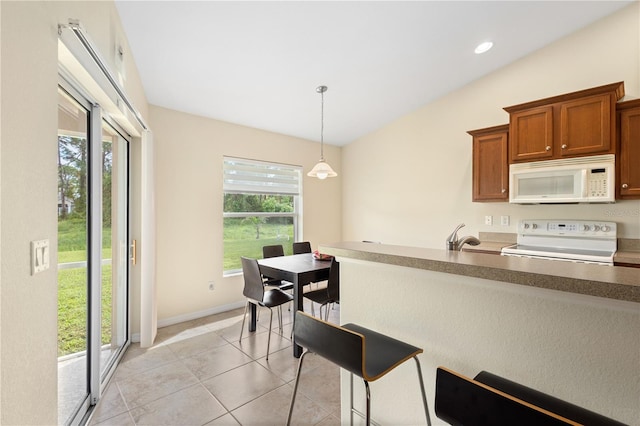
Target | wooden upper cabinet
(570,125)
(586,126)
(531,134)
(628,182)
(490,164)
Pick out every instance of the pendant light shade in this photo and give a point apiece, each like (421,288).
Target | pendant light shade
(322,170)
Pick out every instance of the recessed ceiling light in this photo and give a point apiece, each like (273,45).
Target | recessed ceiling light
(483,47)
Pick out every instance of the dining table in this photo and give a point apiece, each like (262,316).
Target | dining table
(298,269)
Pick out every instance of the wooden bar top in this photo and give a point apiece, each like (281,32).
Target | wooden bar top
(612,282)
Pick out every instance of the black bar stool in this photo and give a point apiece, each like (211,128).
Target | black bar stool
(490,399)
(363,352)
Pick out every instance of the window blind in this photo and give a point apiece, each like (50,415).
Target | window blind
(258,177)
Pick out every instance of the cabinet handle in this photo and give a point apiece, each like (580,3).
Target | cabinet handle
(564,146)
(504,190)
(625,186)
(548,148)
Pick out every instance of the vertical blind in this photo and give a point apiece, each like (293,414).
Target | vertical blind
(258,177)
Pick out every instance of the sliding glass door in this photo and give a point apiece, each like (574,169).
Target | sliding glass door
(73,252)
(93,255)
(115,246)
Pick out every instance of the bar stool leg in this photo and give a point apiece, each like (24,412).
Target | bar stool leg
(424,394)
(368,414)
(295,386)
(351,402)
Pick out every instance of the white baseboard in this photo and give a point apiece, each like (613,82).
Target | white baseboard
(135,337)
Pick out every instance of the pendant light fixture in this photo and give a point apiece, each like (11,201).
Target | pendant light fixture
(322,170)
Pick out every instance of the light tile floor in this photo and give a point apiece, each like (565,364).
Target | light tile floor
(197,373)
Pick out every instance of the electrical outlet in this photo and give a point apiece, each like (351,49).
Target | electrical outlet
(212,285)
(488,220)
(504,220)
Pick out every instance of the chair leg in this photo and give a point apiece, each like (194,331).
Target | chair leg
(424,395)
(269,336)
(293,326)
(279,313)
(244,317)
(295,386)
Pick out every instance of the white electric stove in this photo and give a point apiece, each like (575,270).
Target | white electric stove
(568,240)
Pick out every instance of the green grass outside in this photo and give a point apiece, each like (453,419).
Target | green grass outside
(72,241)
(240,240)
(72,309)
(72,288)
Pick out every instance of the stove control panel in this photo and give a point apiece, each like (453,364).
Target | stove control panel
(571,228)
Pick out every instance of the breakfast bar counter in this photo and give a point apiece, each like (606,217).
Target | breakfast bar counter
(570,330)
(622,283)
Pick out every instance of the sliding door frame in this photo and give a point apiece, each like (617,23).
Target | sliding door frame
(96,380)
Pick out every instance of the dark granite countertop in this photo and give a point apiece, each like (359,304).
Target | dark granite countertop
(612,282)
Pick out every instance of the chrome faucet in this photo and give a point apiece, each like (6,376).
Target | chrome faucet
(453,243)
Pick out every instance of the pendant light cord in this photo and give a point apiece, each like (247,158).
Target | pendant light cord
(321,90)
(322,125)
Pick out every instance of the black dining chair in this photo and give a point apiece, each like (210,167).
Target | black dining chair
(275,251)
(362,352)
(301,247)
(255,293)
(329,294)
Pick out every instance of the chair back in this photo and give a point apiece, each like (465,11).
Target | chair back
(272,251)
(332,342)
(333,284)
(302,247)
(253,284)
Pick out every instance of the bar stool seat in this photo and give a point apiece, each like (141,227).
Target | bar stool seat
(363,352)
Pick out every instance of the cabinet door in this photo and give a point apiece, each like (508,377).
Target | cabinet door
(531,134)
(490,167)
(629,153)
(586,126)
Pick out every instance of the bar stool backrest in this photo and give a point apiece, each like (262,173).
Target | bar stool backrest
(464,401)
(332,342)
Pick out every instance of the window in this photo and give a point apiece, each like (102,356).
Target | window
(262,206)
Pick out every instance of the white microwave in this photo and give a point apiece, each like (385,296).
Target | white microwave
(570,180)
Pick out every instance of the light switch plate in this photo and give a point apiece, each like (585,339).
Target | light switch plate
(39,256)
(488,220)
(504,220)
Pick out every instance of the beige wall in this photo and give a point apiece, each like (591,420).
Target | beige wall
(28,337)
(189,152)
(410,182)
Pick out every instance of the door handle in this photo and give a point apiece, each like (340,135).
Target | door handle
(134,252)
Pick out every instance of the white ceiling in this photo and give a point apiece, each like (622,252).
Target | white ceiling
(258,63)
